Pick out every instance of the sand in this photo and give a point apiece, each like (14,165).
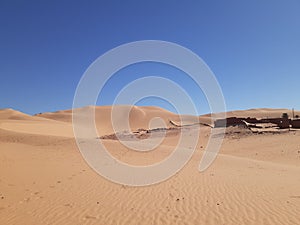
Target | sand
(44,179)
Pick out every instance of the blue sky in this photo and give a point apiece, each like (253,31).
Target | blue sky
(253,48)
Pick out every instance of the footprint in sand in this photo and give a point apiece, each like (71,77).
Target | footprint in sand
(295,196)
(90,217)
(68,205)
(26,199)
(53,186)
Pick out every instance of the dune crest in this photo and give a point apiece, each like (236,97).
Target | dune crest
(11,114)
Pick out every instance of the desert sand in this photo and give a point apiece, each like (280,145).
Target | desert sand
(45,180)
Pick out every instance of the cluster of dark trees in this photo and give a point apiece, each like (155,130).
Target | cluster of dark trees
(286,116)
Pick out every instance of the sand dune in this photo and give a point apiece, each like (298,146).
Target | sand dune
(10,114)
(262,113)
(139,117)
(63,115)
(44,179)
(15,121)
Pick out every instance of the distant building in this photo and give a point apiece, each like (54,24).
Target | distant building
(282,123)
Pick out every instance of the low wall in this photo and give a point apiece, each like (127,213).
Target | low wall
(235,121)
(295,123)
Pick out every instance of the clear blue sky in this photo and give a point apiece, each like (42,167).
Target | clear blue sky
(253,47)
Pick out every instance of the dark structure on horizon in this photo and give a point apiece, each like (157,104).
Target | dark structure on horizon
(282,123)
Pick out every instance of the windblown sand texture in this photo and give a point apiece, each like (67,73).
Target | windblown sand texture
(45,180)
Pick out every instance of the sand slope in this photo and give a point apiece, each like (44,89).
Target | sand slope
(139,117)
(44,179)
(15,121)
(10,114)
(262,113)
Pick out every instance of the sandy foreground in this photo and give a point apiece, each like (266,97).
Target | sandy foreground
(45,180)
